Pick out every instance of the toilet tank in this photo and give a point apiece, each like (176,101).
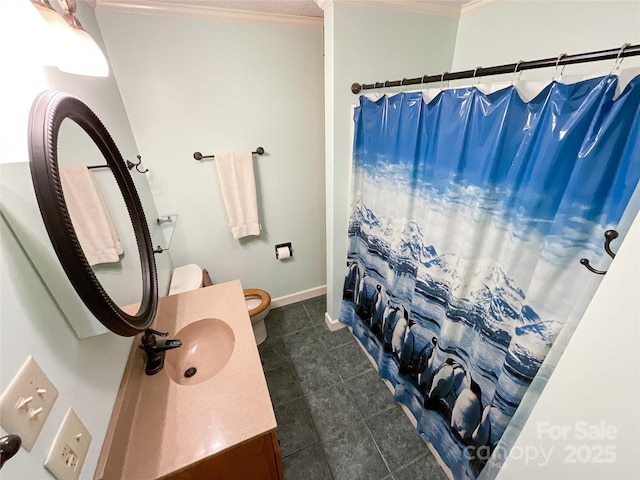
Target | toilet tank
(185,278)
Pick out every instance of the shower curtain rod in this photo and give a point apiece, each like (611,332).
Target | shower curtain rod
(626,50)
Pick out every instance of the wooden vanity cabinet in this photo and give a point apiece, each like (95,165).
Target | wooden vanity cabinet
(155,433)
(256,459)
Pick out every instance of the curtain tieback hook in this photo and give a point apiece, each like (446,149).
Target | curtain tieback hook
(609,236)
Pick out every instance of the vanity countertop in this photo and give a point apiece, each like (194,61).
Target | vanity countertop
(159,427)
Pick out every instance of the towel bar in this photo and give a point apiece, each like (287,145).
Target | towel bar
(130,165)
(199,156)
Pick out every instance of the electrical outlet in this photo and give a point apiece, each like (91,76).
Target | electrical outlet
(26,403)
(69,449)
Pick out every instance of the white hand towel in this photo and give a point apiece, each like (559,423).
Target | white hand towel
(90,216)
(238,187)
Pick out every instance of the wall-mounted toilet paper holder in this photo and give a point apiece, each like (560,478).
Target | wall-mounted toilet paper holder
(284,246)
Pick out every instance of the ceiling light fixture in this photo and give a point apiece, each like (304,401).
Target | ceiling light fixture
(74,51)
(21,23)
(57,36)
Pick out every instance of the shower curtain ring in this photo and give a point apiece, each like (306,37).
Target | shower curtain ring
(515,70)
(475,77)
(619,58)
(560,57)
(442,80)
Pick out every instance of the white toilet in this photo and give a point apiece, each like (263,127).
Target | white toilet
(191,277)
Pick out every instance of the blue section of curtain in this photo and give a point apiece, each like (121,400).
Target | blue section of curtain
(469,216)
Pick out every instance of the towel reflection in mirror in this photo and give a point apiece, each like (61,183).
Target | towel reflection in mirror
(91,218)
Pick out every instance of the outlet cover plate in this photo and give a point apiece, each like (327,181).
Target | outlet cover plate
(69,449)
(26,403)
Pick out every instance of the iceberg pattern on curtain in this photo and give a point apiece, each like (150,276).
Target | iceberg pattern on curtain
(469,216)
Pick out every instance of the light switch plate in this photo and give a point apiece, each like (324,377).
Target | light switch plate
(26,403)
(69,449)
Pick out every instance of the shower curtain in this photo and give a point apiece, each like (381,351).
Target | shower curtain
(470,214)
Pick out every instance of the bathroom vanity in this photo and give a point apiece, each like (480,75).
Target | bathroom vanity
(204,410)
(215,423)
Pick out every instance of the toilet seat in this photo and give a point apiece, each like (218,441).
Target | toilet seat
(265,300)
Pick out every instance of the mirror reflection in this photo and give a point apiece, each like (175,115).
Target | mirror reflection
(99,215)
(65,137)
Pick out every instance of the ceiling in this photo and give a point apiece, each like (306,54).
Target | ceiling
(296,8)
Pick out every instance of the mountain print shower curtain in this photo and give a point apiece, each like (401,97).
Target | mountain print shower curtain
(469,217)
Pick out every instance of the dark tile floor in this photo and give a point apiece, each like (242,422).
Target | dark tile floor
(336,417)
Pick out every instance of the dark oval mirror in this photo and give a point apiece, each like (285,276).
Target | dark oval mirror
(87,184)
(48,112)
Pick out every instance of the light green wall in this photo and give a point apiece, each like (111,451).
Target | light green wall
(202,85)
(86,372)
(511,30)
(367,44)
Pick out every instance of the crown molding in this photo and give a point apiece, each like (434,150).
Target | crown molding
(176,9)
(475,5)
(201,10)
(441,8)
(323,4)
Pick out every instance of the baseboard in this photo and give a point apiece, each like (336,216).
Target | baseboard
(332,324)
(298,297)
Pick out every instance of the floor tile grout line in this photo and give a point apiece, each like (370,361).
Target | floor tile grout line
(333,476)
(288,402)
(324,454)
(304,396)
(318,434)
(375,414)
(297,382)
(304,448)
(313,326)
(331,358)
(399,406)
(416,460)
(305,309)
(315,428)
(348,395)
(386,464)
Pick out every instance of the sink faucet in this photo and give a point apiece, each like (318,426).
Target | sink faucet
(155,349)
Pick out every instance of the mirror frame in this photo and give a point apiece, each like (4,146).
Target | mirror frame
(49,109)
